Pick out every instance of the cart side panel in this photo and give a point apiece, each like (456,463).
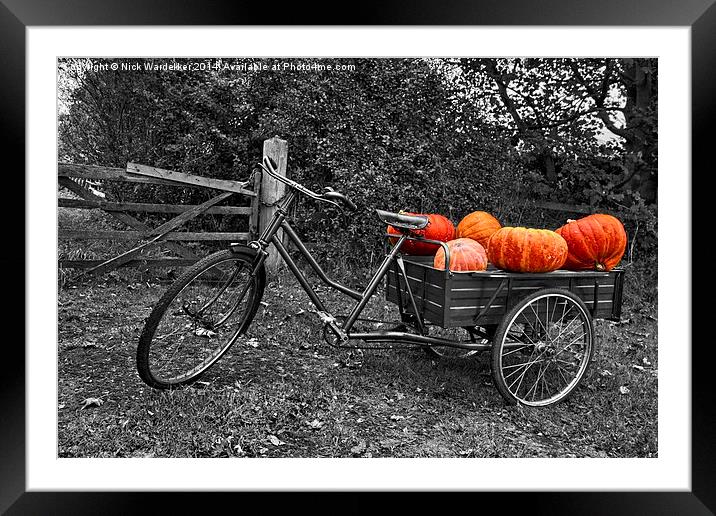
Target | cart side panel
(608,294)
(618,292)
(457,299)
(469,295)
(427,286)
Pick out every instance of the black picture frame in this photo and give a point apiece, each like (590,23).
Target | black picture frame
(17,15)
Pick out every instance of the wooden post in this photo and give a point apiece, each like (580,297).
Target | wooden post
(271,192)
(255,207)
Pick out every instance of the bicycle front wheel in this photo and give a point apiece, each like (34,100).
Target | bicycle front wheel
(200,317)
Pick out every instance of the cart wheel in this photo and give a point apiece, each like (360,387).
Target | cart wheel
(542,348)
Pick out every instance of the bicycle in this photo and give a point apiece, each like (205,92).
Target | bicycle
(537,327)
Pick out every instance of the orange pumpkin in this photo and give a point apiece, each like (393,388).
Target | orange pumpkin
(596,242)
(465,255)
(527,250)
(439,228)
(478,225)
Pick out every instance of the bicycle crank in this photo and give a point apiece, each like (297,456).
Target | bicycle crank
(329,323)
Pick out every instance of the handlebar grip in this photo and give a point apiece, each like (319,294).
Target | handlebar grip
(332,195)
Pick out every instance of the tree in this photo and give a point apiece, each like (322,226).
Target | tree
(391,133)
(562,108)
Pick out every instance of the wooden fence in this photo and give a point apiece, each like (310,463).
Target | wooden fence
(80,179)
(263,194)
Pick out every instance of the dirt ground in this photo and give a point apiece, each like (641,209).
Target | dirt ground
(282,392)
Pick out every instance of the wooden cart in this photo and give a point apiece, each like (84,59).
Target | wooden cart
(538,326)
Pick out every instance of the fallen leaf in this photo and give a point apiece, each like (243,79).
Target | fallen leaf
(389,443)
(397,418)
(275,440)
(624,389)
(360,420)
(203,332)
(315,424)
(89,402)
(359,448)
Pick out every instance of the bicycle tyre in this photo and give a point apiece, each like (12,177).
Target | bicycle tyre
(149,340)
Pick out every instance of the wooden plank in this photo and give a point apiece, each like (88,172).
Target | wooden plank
(272,191)
(158,234)
(138,235)
(429,304)
(118,260)
(480,298)
(86,194)
(63,202)
(106,174)
(419,259)
(123,217)
(489,318)
(424,266)
(181,177)
(189,214)
(255,207)
(435,312)
(146,262)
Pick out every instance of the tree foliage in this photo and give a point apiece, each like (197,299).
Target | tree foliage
(447,136)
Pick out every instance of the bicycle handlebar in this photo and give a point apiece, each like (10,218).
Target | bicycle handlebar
(330,196)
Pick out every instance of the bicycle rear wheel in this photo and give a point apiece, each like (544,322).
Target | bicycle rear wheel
(199,318)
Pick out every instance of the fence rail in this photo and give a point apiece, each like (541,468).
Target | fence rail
(81,179)
(263,193)
(148,207)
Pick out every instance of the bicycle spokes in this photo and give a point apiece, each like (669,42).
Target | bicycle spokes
(544,350)
(209,315)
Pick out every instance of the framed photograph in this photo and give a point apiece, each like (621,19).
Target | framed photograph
(187,169)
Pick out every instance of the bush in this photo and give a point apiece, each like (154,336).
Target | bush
(394,134)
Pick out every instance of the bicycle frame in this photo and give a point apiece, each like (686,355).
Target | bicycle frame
(343,333)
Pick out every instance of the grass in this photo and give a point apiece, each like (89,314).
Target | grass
(292,396)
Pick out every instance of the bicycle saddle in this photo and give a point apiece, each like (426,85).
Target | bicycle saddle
(398,220)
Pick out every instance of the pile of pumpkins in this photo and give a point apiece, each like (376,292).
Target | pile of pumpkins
(595,242)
